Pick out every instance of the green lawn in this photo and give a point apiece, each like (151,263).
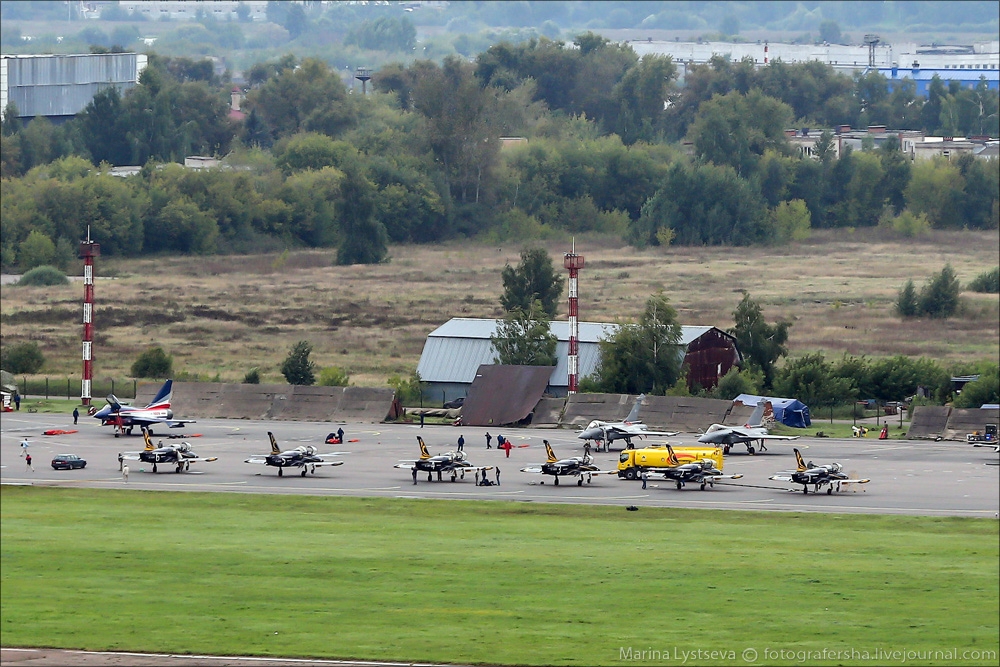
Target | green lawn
(484,582)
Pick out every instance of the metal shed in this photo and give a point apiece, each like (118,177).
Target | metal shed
(455,350)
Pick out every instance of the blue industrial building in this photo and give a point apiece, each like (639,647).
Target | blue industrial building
(921,76)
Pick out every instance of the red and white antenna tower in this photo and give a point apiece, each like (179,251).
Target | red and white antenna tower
(574,263)
(88,251)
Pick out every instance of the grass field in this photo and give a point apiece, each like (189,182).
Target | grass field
(219,316)
(484,582)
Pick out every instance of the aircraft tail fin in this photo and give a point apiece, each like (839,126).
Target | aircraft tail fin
(633,416)
(163,396)
(671,457)
(274,444)
(801,465)
(424,454)
(149,441)
(548,451)
(758,415)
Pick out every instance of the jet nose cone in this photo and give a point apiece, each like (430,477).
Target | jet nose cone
(589,434)
(704,438)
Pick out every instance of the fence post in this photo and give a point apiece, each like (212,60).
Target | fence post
(46,388)
(67,389)
(135,388)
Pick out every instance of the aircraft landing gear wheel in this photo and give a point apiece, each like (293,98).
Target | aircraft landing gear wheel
(829,491)
(280,473)
(579,482)
(154,467)
(187,465)
(725,450)
(750,450)
(630,473)
(454,478)
(703,486)
(679,486)
(557,480)
(805,490)
(304,471)
(180,468)
(430,477)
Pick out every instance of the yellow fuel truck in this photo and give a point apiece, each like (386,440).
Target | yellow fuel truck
(633,461)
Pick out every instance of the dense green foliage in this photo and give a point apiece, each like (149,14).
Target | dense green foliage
(332,376)
(987,281)
(421,159)
(533,279)
(252,376)
(523,338)
(938,298)
(297,367)
(642,357)
(760,343)
(984,390)
(153,363)
(21,358)
(43,275)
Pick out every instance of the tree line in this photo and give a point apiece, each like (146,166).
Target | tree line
(422,160)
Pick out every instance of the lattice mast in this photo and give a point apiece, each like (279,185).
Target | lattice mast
(88,251)
(573,263)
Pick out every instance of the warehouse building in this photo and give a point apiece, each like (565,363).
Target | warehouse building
(454,351)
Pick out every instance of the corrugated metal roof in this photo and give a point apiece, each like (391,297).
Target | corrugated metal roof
(454,350)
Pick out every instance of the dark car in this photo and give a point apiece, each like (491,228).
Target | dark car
(68,462)
(457,403)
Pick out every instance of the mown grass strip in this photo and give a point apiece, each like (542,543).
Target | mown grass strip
(482,582)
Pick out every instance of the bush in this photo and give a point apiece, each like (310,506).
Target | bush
(334,377)
(407,389)
(987,282)
(252,376)
(153,363)
(41,276)
(297,368)
(939,297)
(22,358)
(906,302)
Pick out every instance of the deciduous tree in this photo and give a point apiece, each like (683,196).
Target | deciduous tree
(523,338)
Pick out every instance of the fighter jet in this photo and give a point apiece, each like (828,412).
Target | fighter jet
(623,430)
(703,472)
(180,456)
(124,417)
(752,431)
(453,463)
(581,467)
(303,456)
(817,475)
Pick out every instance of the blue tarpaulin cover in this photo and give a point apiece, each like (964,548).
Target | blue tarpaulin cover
(789,411)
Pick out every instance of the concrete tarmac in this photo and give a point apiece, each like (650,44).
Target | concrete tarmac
(907,477)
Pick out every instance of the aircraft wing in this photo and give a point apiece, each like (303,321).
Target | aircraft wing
(592,472)
(326,463)
(409,465)
(130,456)
(854,481)
(149,421)
(781,477)
(533,469)
(750,435)
(633,430)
